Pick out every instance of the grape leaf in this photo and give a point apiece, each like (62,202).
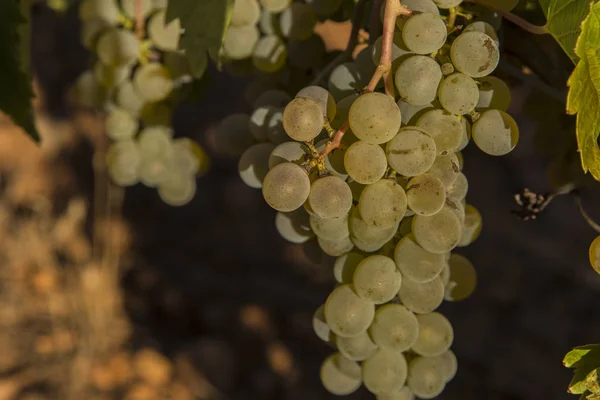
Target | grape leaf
(205,23)
(563,22)
(584,93)
(16,91)
(585,360)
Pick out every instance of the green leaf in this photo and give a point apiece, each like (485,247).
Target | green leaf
(563,22)
(578,354)
(205,23)
(584,93)
(585,360)
(16,91)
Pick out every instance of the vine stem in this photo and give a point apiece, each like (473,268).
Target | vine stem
(515,19)
(593,224)
(139,19)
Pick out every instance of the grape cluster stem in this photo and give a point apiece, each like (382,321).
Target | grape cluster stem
(139,19)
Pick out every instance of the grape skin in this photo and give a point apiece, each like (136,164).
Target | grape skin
(424,33)
(120,125)
(275,6)
(118,47)
(164,37)
(435,335)
(365,163)
(594,254)
(402,394)
(294,226)
(493,93)
(448,363)
(340,381)
(345,265)
(495,133)
(322,97)
(458,94)
(416,6)
(445,129)
(335,248)
(347,314)
(426,194)
(303,119)
(438,233)
(320,326)
(269,54)
(245,12)
(383,203)
(357,348)
(416,263)
(422,298)
(332,229)
(375,118)
(463,278)
(153,81)
(254,164)
(376,279)
(417,79)
(344,80)
(286,187)
(297,22)
(426,377)
(384,372)
(411,152)
(330,197)
(394,328)
(240,41)
(475,54)
(446,168)
(447,3)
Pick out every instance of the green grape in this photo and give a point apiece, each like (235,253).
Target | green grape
(297,22)
(155,142)
(594,254)
(422,297)
(445,129)
(417,7)
(458,94)
(254,164)
(306,54)
(426,377)
(447,4)
(411,152)
(118,47)
(269,54)
(303,119)
(410,114)
(340,376)
(239,42)
(416,263)
(164,36)
(463,278)
(394,328)
(330,197)
(245,12)
(345,265)
(424,33)
(347,314)
(294,152)
(120,125)
(128,98)
(399,50)
(268,23)
(187,156)
(435,335)
(89,92)
(466,137)
(357,348)
(445,274)
(438,233)
(154,171)
(275,132)
(272,98)
(106,10)
(333,229)
(155,145)
(376,279)
(293,226)
(325,8)
(153,81)
(417,79)
(91,30)
(356,188)
(158,5)
(156,114)
(334,161)
(475,54)
(382,203)
(275,6)
(335,248)
(344,80)
(320,326)
(177,189)
(425,194)
(483,27)
(449,365)
(365,163)
(402,394)
(122,159)
(259,122)
(341,115)
(110,77)
(493,93)
(495,133)
(130,8)
(375,118)
(458,190)
(233,135)
(286,187)
(457,208)
(384,372)
(368,237)
(322,97)
(446,168)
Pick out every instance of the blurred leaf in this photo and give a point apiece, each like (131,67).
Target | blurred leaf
(584,93)
(585,360)
(578,354)
(16,93)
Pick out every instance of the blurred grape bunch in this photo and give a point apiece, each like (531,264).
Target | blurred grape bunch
(138,77)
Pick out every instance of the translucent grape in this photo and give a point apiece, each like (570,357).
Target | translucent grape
(340,376)
(333,229)
(122,159)
(294,152)
(322,97)
(111,77)
(594,254)
(375,118)
(153,81)
(495,133)
(275,6)
(342,110)
(394,328)
(335,248)
(330,197)
(424,33)
(466,137)
(347,314)
(399,50)
(233,136)
(382,203)
(159,4)
(356,188)
(447,4)
(457,208)
(344,80)
(425,194)
(303,119)
(458,94)
(446,168)
(402,394)
(366,236)
(416,263)
(106,10)
(411,152)
(240,41)
(410,114)
(188,156)
(259,122)
(445,129)
(130,8)
(297,22)
(269,54)
(155,142)
(438,233)
(177,189)
(120,125)
(275,132)
(118,47)
(91,30)
(164,36)
(324,8)
(254,164)
(483,27)
(475,54)
(268,23)
(286,187)
(376,279)
(493,93)
(384,372)
(345,265)
(463,278)
(416,6)
(448,363)
(435,335)
(334,161)
(245,12)
(417,79)
(422,297)
(293,226)
(128,98)
(357,348)
(426,377)
(320,327)
(458,190)
(365,163)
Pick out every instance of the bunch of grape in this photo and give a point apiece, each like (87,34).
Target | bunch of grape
(390,201)
(137,78)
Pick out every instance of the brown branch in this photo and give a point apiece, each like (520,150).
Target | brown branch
(515,19)
(139,19)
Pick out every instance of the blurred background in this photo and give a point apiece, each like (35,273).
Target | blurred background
(105,296)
